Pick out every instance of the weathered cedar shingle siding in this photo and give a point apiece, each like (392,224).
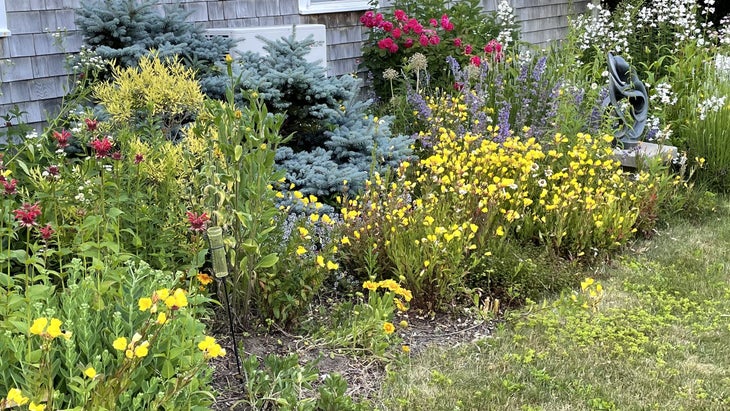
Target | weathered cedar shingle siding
(32,67)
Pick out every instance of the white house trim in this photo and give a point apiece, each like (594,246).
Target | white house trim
(4,32)
(331,6)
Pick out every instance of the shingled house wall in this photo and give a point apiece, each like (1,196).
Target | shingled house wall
(33,57)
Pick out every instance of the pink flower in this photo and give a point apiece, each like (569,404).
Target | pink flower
(10,187)
(387,26)
(197,222)
(384,44)
(396,33)
(488,48)
(476,60)
(46,232)
(91,125)
(101,146)
(446,24)
(62,138)
(434,40)
(52,172)
(467,49)
(408,43)
(457,42)
(393,48)
(368,19)
(433,23)
(400,15)
(423,40)
(415,26)
(117,155)
(458,86)
(138,158)
(27,214)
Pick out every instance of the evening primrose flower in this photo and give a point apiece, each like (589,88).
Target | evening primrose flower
(210,348)
(145,303)
(177,300)
(16,396)
(161,318)
(90,372)
(332,266)
(36,407)
(120,344)
(142,350)
(301,250)
(42,327)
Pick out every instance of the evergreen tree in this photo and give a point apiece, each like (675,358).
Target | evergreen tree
(126,30)
(334,138)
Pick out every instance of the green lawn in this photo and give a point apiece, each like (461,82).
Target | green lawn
(656,338)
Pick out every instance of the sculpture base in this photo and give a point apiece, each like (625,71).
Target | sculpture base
(632,157)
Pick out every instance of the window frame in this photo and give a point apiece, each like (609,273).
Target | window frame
(332,6)
(4,31)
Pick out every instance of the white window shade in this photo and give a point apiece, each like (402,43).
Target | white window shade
(331,6)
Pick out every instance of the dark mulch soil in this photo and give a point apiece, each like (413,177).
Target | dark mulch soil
(363,374)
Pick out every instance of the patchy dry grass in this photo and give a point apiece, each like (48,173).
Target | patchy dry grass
(658,338)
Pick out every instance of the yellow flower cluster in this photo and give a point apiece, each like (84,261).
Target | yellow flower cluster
(15,398)
(390,285)
(173,300)
(48,328)
(210,348)
(135,348)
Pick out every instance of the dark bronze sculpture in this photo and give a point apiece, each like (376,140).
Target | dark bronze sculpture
(625,84)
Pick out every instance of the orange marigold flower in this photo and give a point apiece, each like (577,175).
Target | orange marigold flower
(204,278)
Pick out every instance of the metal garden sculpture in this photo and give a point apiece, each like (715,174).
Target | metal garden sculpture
(624,84)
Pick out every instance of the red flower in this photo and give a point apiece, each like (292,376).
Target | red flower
(423,40)
(62,138)
(396,33)
(458,86)
(387,26)
(10,186)
(46,232)
(138,158)
(433,23)
(467,49)
(101,146)
(27,214)
(434,40)
(400,15)
(477,61)
(197,222)
(457,42)
(408,43)
(91,125)
(117,155)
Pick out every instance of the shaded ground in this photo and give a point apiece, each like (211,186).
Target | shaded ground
(363,374)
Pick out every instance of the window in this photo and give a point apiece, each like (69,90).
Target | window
(4,32)
(331,6)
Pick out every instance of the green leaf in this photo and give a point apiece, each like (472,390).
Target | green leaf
(268,261)
(250,246)
(167,371)
(237,153)
(23,166)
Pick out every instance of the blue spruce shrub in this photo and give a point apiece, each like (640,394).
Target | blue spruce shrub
(334,139)
(126,30)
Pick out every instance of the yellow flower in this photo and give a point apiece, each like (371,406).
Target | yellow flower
(39,325)
(161,318)
(204,278)
(161,294)
(36,407)
(303,231)
(404,323)
(332,266)
(90,372)
(120,344)
(586,283)
(406,349)
(229,59)
(326,219)
(320,261)
(389,328)
(54,330)
(370,285)
(500,231)
(314,217)
(177,300)
(399,304)
(129,354)
(145,303)
(142,350)
(301,250)
(210,348)
(345,241)
(16,396)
